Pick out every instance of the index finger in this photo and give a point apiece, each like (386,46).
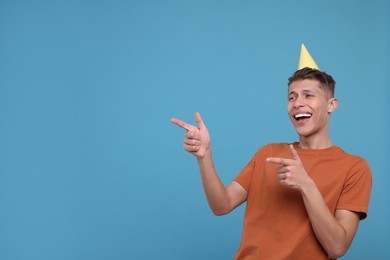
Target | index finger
(279,160)
(182,124)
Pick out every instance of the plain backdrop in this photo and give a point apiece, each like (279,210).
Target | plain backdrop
(92,168)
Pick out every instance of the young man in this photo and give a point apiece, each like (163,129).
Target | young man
(304,200)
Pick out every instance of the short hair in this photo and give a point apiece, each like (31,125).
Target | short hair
(326,80)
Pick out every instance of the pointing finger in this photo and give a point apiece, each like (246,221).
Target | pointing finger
(182,124)
(279,160)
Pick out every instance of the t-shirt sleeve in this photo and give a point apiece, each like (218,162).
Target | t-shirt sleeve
(357,189)
(244,178)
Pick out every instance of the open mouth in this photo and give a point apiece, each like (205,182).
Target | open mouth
(302,116)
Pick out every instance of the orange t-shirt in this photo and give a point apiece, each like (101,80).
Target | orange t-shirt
(276,224)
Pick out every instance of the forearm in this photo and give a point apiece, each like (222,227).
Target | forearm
(329,232)
(213,187)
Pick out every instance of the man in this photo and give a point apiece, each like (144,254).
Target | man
(304,200)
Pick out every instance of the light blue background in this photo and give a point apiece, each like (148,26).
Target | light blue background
(91,167)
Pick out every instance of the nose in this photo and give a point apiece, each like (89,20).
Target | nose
(299,101)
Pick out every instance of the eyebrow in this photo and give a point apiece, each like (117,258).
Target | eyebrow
(303,91)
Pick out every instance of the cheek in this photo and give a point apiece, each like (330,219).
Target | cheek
(289,107)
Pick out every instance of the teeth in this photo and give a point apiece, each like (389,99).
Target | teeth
(302,115)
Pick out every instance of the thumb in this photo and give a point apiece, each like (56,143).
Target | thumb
(199,121)
(294,153)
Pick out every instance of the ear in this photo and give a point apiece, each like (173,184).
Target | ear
(332,105)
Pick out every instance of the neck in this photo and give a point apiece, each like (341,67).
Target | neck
(314,143)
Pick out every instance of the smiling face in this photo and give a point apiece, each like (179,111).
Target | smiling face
(309,107)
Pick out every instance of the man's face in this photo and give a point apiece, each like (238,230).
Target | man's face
(309,107)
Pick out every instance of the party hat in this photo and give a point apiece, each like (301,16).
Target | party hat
(305,59)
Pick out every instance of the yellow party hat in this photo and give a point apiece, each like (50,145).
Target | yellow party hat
(305,59)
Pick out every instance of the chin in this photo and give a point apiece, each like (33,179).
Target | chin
(303,133)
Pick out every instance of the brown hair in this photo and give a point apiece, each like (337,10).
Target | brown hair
(326,80)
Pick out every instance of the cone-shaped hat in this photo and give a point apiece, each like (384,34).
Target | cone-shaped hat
(305,60)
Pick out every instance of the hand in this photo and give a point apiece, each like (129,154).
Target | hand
(291,172)
(197,139)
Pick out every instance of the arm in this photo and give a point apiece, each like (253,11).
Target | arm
(197,142)
(335,233)
(221,200)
